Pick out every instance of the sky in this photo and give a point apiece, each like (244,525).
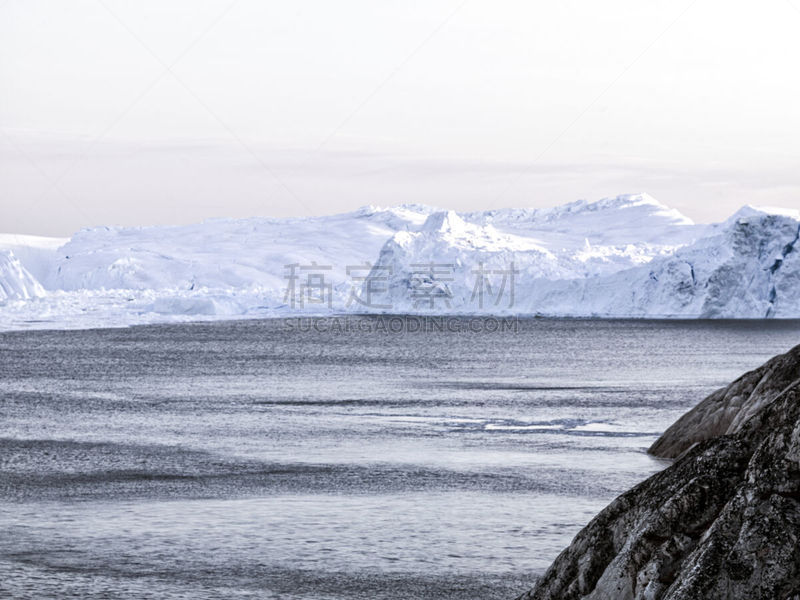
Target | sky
(153,112)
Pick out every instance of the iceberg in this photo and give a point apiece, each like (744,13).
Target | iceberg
(624,256)
(16,283)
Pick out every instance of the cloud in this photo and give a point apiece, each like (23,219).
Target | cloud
(56,185)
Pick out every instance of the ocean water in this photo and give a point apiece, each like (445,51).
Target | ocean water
(273,459)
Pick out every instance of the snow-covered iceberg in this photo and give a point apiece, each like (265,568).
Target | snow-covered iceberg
(627,256)
(526,261)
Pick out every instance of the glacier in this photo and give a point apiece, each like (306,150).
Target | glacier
(624,256)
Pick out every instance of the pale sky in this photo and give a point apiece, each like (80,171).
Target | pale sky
(173,111)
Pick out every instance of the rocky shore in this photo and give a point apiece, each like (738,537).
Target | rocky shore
(723,521)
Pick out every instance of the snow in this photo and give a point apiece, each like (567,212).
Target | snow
(750,211)
(223,254)
(626,256)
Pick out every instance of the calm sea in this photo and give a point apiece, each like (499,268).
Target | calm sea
(272,459)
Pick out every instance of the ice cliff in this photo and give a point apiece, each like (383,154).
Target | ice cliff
(16,283)
(626,258)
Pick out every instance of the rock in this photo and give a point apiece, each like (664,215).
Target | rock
(723,521)
(727,409)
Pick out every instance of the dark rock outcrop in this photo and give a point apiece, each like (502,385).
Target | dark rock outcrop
(723,521)
(728,409)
